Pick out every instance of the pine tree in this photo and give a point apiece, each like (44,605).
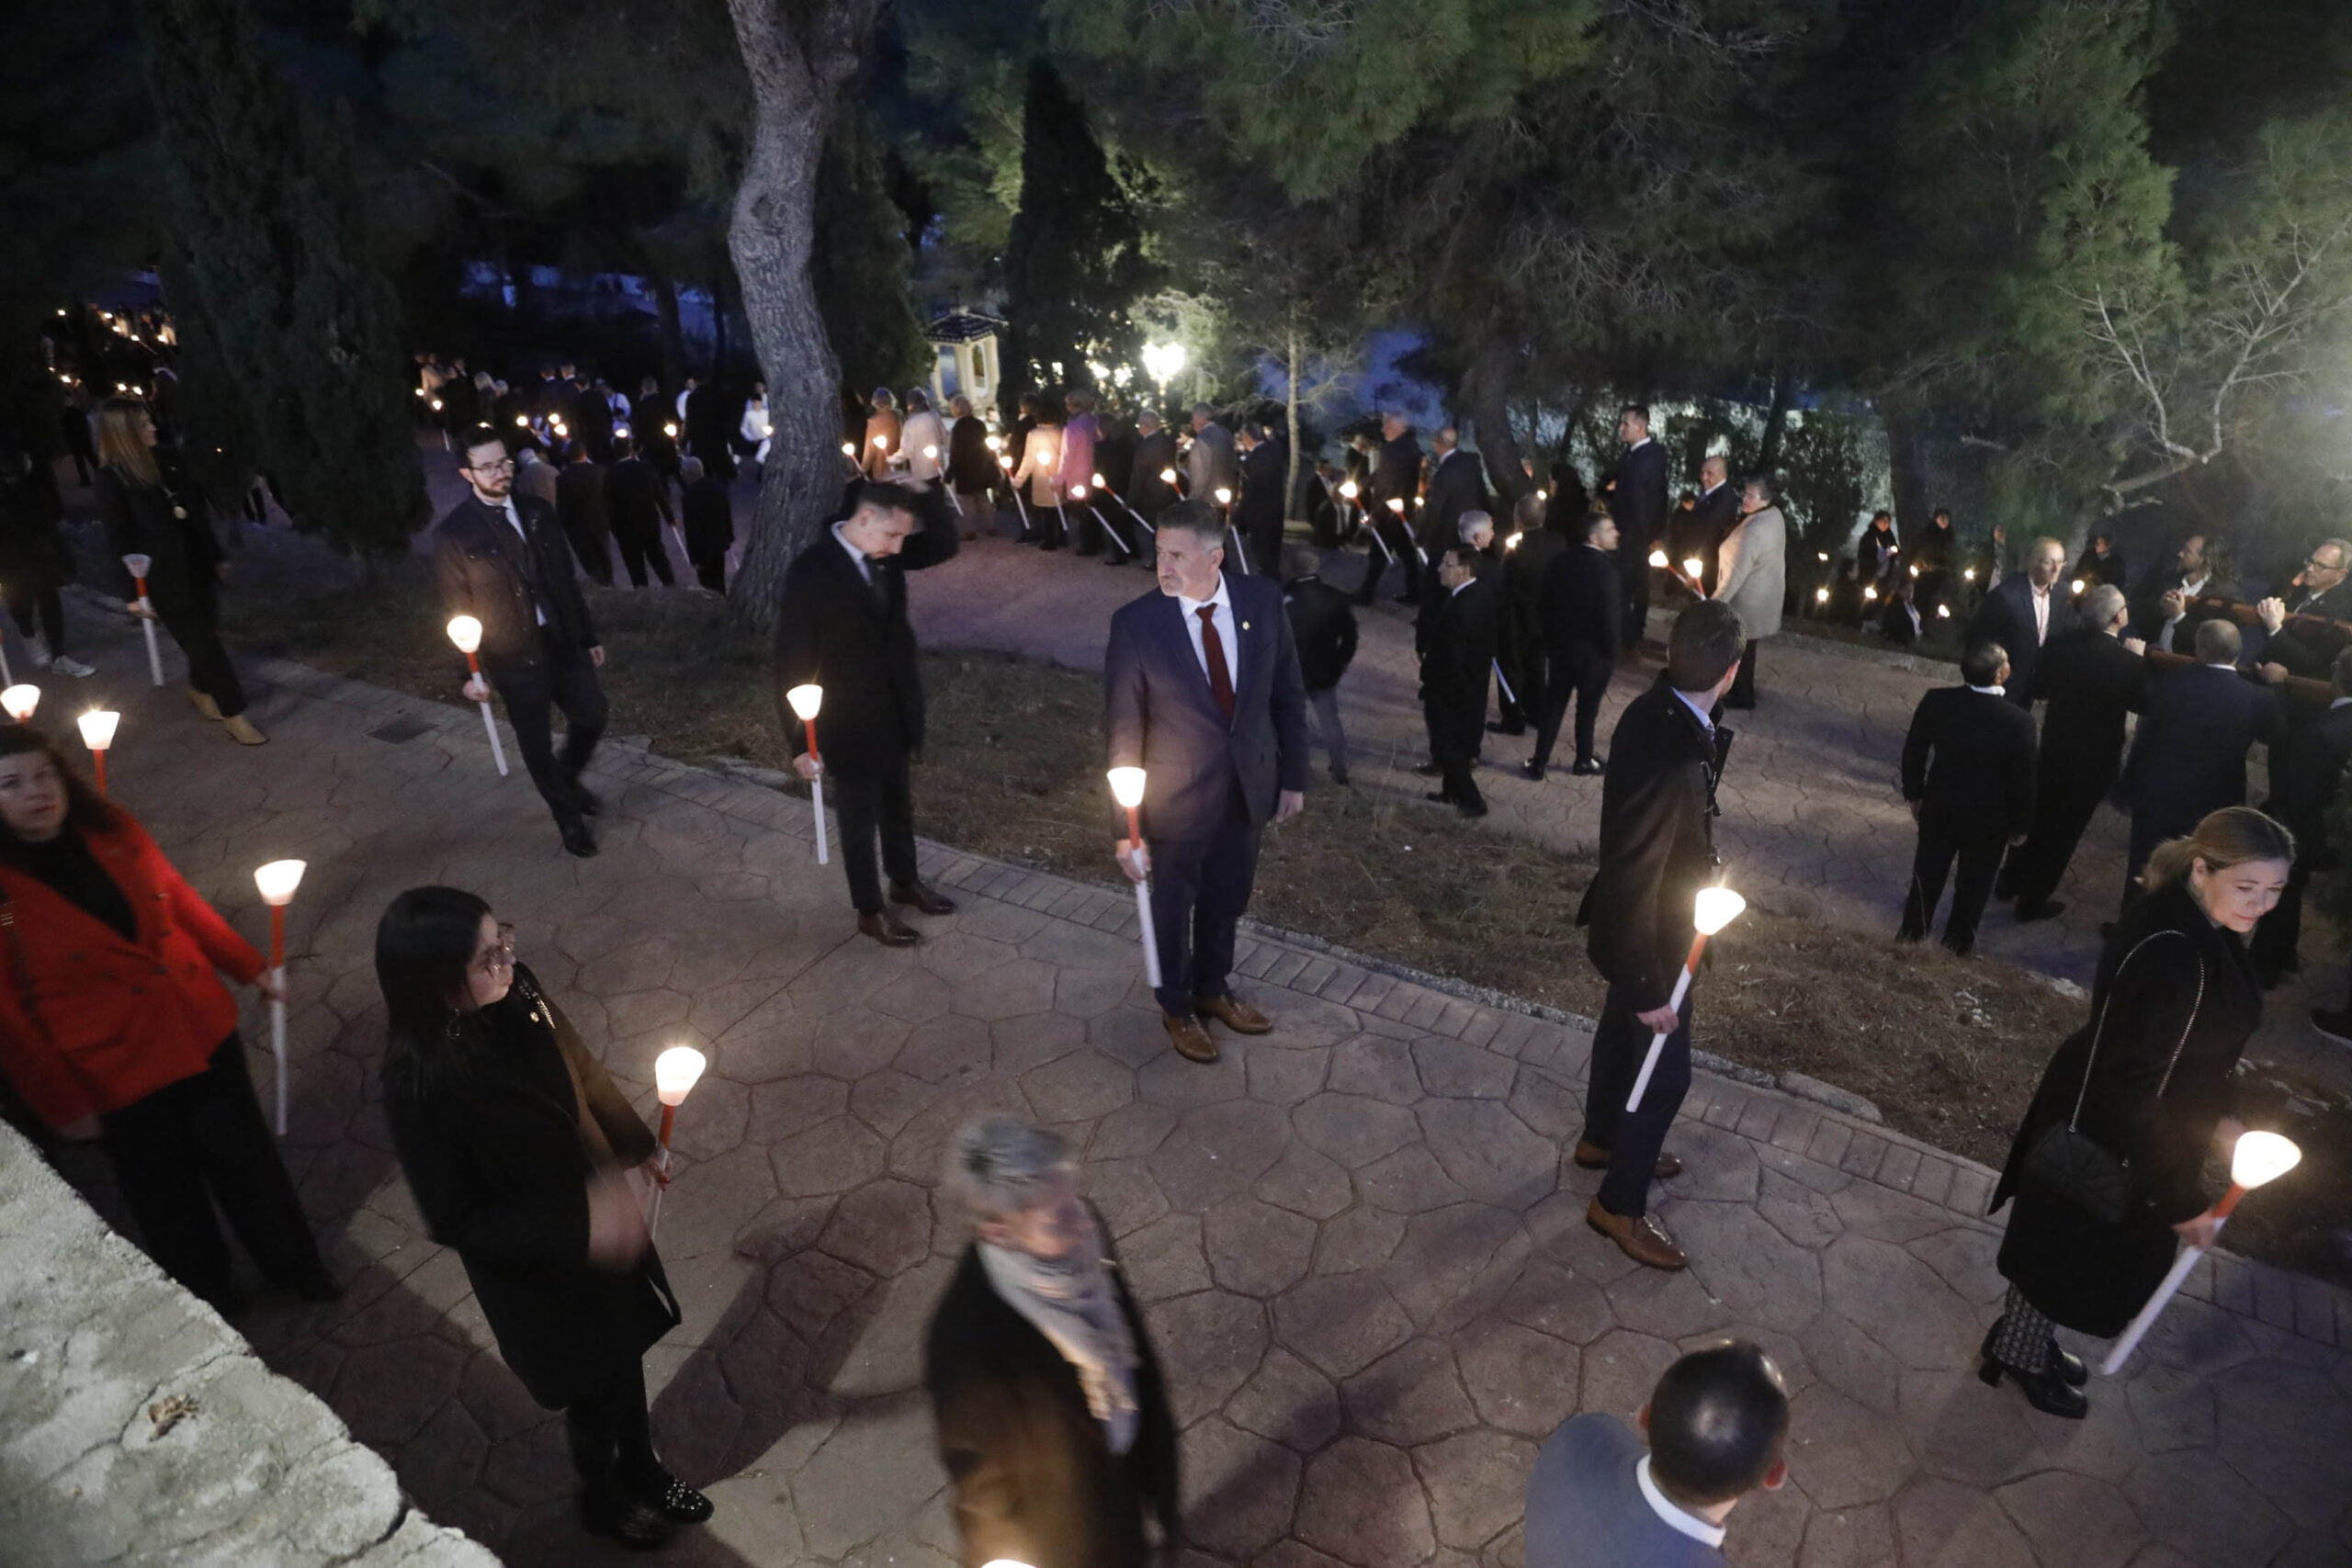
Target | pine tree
(268,231)
(861,270)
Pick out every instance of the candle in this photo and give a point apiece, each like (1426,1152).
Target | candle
(805,702)
(1715,909)
(98,728)
(2258,1159)
(676,1072)
(138,567)
(466,632)
(1126,788)
(277,881)
(20,700)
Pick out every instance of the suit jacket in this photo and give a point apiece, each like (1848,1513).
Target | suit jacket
(2007,617)
(2188,757)
(2148,611)
(1035,1481)
(484,569)
(2095,570)
(1638,503)
(1968,758)
(1702,531)
(1154,455)
(2088,681)
(1657,846)
(2306,649)
(1259,508)
(2304,783)
(1323,629)
(1523,573)
(1211,465)
(636,500)
(709,519)
(1397,475)
(1455,636)
(836,631)
(1162,718)
(582,502)
(971,467)
(1753,569)
(1456,487)
(1582,607)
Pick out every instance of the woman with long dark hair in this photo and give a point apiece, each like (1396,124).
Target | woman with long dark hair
(115,1027)
(2108,1171)
(526,1159)
(153,507)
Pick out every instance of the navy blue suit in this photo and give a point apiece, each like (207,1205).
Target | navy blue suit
(1210,783)
(2188,757)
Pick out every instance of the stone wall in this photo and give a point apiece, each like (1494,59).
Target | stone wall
(96,1344)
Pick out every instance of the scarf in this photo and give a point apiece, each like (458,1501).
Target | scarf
(1073,1304)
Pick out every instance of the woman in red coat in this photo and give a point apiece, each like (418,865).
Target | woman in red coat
(115,1027)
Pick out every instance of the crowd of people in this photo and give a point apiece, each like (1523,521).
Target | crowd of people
(1053,1418)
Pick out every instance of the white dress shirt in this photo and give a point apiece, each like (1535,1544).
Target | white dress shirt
(1225,631)
(1706,720)
(2188,590)
(1691,1525)
(864,568)
(507,505)
(2041,597)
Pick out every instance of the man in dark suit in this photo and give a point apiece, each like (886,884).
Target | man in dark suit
(1323,629)
(2088,680)
(1051,1410)
(2167,618)
(843,627)
(639,505)
(1202,690)
(1581,609)
(1396,483)
(2308,647)
(1456,487)
(2101,564)
(710,425)
(2189,755)
(500,559)
(709,525)
(1700,532)
(1968,778)
(1637,501)
(1153,491)
(2024,614)
(1454,636)
(582,505)
(1529,551)
(1656,850)
(2304,783)
(1258,512)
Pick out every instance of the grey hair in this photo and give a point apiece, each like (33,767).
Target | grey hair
(2343,549)
(1474,520)
(997,1163)
(1761,485)
(2102,605)
(690,469)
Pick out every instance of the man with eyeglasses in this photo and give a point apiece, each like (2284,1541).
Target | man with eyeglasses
(2308,649)
(503,558)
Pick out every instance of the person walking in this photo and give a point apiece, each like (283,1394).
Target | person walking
(2188,752)
(1074,474)
(1454,636)
(1581,608)
(2088,681)
(35,562)
(1052,1412)
(500,559)
(1040,469)
(1202,690)
(711,525)
(1968,778)
(843,627)
(2106,1178)
(152,506)
(115,1028)
(879,451)
(638,503)
(583,504)
(1259,511)
(923,440)
(1389,495)
(1657,804)
(526,1161)
(1323,628)
(1751,571)
(971,467)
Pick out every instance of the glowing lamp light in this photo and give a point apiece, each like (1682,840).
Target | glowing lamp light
(670,429)
(2261,1158)
(1004,1562)
(1099,484)
(1694,567)
(1126,787)
(1821,596)
(1717,908)
(1168,476)
(1943,611)
(1821,555)
(930,454)
(436,405)
(1349,488)
(466,632)
(523,422)
(805,701)
(620,432)
(1542,495)
(1078,492)
(277,881)
(1657,558)
(20,700)
(993,442)
(1397,504)
(676,1072)
(1224,496)
(1870,594)
(2076,586)
(1164,359)
(98,728)
(1914,571)
(1513,543)
(1969,576)
(880,442)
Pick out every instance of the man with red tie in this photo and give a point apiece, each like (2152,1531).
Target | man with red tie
(1202,690)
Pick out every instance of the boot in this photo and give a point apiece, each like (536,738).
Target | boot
(240,730)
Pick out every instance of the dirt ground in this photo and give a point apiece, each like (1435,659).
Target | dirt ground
(1948,1049)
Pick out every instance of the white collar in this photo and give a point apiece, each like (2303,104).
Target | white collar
(2039,592)
(1458,587)
(857,556)
(1639,444)
(1221,599)
(2338,704)
(1704,718)
(1712,488)
(2193,589)
(1990,691)
(1675,1517)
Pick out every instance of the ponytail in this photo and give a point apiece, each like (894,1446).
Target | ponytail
(2232,836)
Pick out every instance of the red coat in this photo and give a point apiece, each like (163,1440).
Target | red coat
(111,1021)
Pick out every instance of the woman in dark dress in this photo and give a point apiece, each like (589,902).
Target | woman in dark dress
(153,507)
(526,1161)
(2148,1081)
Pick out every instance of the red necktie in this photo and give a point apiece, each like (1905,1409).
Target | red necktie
(1213,652)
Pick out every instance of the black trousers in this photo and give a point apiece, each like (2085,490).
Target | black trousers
(2064,805)
(1943,839)
(1633,1138)
(1265,539)
(1587,682)
(611,1432)
(1199,889)
(202,1139)
(195,625)
(711,572)
(639,551)
(870,803)
(1633,569)
(1743,685)
(1457,723)
(1532,678)
(533,689)
(594,551)
(48,606)
(1390,530)
(1511,688)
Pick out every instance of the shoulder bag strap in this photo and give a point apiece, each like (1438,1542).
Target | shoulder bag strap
(2099,1029)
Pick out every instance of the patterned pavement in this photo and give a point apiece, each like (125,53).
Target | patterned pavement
(1358,1241)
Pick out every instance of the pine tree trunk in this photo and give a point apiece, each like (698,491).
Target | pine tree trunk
(1485,390)
(1776,422)
(796,71)
(1290,423)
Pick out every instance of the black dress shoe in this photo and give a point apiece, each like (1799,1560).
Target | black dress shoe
(888,930)
(2337,1026)
(682,1503)
(1531,771)
(606,1509)
(2040,909)
(578,839)
(1439,796)
(1910,933)
(1428,770)
(589,803)
(2049,1392)
(921,896)
(1473,808)
(1591,767)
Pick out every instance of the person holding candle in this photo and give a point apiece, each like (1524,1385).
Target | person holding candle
(115,1028)
(1751,571)
(526,1159)
(1580,608)
(2106,1175)
(1040,469)
(501,558)
(1395,476)
(971,467)
(1074,478)
(1202,690)
(843,627)
(1155,460)
(879,451)
(1656,850)
(153,507)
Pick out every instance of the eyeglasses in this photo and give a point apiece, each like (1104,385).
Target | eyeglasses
(499,959)
(504,466)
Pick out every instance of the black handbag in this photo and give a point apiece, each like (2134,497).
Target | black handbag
(2067,1163)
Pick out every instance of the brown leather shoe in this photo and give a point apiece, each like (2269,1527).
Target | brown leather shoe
(1190,1037)
(921,896)
(1592,1156)
(887,929)
(1235,1014)
(1644,1239)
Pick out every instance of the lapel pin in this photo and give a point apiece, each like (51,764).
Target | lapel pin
(1245,626)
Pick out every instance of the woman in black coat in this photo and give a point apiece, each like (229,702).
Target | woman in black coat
(525,1158)
(2148,1081)
(1053,1419)
(153,507)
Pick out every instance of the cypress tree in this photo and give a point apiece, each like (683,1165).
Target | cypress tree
(268,234)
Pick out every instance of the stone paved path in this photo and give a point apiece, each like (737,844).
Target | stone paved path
(1360,1250)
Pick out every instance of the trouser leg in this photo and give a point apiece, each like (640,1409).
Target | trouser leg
(153,1149)
(526,690)
(711,572)
(1743,686)
(1633,1138)
(594,554)
(195,625)
(1592,686)
(1930,864)
(656,556)
(1323,713)
(1980,858)
(858,802)
(1227,873)
(1176,868)
(1558,694)
(896,821)
(581,696)
(2040,864)
(611,1434)
(240,1161)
